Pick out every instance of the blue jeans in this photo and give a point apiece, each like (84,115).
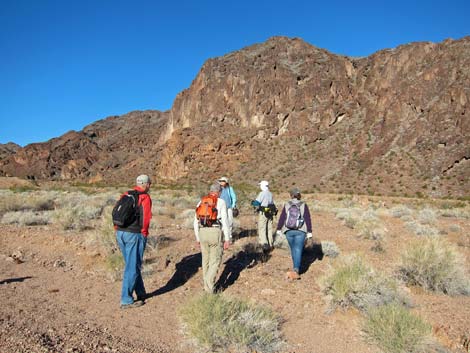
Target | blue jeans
(132,247)
(296,240)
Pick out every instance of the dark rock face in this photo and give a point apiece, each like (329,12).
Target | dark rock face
(396,122)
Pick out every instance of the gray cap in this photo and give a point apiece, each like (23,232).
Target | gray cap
(215,187)
(294,192)
(142,179)
(224,179)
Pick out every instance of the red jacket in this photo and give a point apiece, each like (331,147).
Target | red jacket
(145,210)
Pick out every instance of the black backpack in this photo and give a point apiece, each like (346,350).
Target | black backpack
(126,210)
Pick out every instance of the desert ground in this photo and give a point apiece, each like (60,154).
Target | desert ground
(60,291)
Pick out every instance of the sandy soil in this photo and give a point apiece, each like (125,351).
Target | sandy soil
(57,297)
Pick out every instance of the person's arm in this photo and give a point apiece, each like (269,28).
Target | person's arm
(146,204)
(233,197)
(222,213)
(282,219)
(307,219)
(196,224)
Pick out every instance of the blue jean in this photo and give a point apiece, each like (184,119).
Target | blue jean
(296,240)
(132,247)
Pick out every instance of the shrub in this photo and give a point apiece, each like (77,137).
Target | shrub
(330,249)
(104,236)
(27,218)
(222,323)
(427,216)
(400,211)
(77,217)
(352,282)
(395,329)
(420,229)
(436,266)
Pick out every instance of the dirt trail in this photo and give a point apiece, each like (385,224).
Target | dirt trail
(58,299)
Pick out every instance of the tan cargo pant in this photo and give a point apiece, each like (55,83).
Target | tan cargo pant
(211,251)
(265,230)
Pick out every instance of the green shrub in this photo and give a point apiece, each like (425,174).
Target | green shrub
(27,218)
(436,266)
(221,323)
(352,282)
(396,330)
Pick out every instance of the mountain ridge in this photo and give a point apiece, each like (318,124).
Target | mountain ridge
(395,122)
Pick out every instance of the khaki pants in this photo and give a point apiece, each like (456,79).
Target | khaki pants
(265,230)
(211,251)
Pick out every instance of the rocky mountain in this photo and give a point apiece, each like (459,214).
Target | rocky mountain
(396,122)
(8,149)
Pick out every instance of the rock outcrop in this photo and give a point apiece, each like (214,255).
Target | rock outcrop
(396,122)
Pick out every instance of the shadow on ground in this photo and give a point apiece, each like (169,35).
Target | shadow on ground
(248,257)
(12,280)
(185,269)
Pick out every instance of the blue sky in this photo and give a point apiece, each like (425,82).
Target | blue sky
(67,63)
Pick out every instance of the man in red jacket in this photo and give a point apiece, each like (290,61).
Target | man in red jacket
(132,240)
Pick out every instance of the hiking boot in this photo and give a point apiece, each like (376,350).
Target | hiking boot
(135,304)
(292,275)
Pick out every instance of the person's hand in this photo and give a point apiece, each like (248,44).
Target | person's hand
(198,244)
(309,236)
(278,233)
(226,244)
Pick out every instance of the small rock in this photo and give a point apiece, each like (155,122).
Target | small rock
(60,263)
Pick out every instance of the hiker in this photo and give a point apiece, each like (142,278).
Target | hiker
(267,210)
(228,195)
(132,239)
(296,224)
(209,224)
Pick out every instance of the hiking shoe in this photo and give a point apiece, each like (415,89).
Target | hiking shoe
(292,275)
(132,305)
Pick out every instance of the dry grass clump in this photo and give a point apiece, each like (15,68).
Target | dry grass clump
(367,223)
(436,266)
(352,282)
(400,211)
(28,218)
(330,249)
(186,218)
(222,324)
(421,229)
(77,217)
(396,330)
(463,213)
(427,216)
(31,200)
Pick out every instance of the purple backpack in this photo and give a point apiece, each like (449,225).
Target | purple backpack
(294,216)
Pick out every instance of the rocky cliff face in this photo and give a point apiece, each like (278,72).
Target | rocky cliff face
(8,149)
(397,122)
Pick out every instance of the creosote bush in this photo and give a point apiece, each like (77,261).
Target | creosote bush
(220,323)
(396,330)
(436,266)
(352,282)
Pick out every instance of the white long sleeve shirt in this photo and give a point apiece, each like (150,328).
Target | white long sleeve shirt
(221,216)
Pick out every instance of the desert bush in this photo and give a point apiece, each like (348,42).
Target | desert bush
(352,282)
(31,200)
(221,323)
(400,211)
(28,218)
(436,266)
(396,330)
(186,218)
(455,213)
(427,216)
(330,249)
(420,229)
(114,265)
(350,217)
(77,217)
(455,228)
(104,235)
